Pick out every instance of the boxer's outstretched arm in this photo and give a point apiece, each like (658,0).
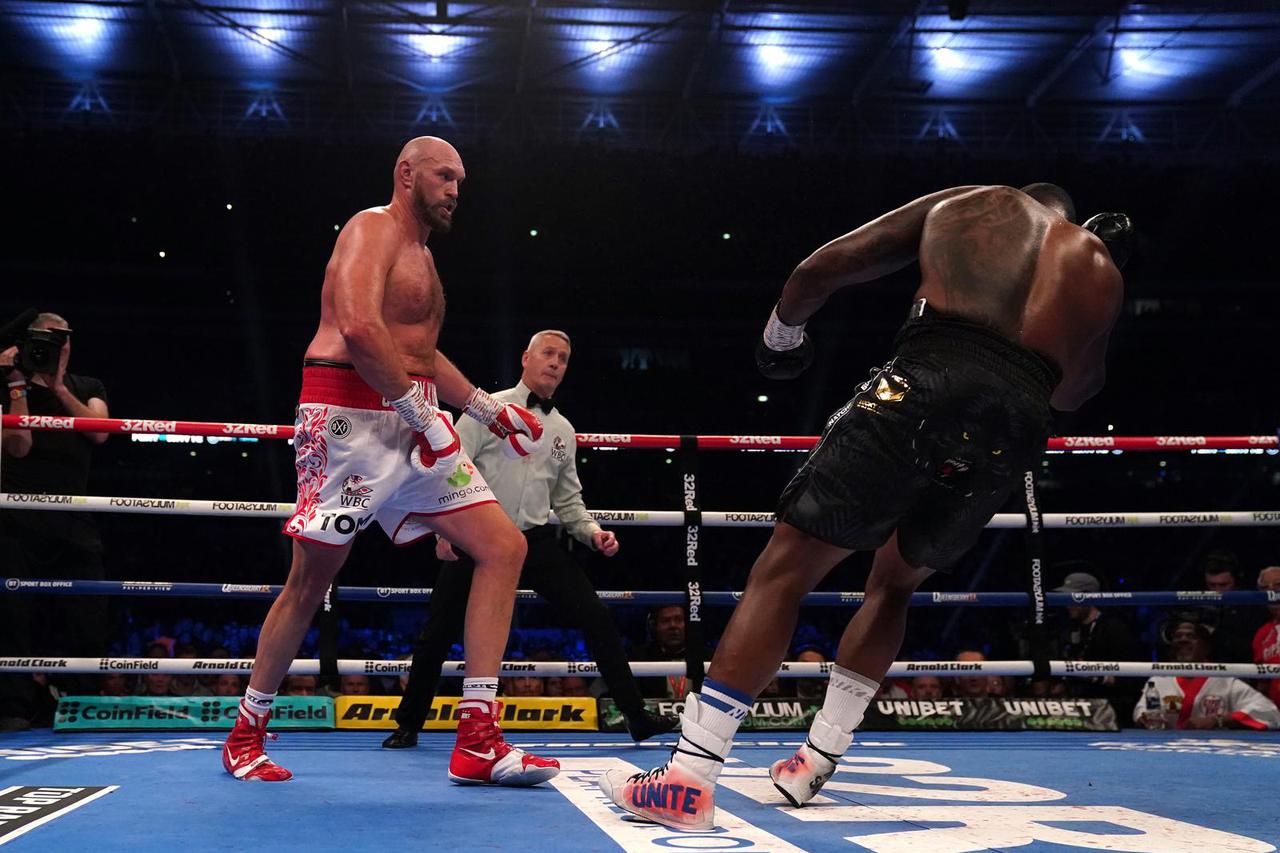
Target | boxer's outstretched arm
(451,385)
(357,274)
(1085,377)
(880,247)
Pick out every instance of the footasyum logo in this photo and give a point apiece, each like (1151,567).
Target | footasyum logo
(23,808)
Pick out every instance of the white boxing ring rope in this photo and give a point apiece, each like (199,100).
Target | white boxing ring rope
(641,669)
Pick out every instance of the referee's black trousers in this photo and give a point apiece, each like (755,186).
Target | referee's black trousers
(552,573)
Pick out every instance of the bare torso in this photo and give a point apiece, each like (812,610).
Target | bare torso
(412,307)
(996,257)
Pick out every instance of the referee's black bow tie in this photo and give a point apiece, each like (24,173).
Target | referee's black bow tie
(547,403)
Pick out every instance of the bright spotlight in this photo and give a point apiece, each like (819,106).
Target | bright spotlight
(949,59)
(773,56)
(1135,60)
(87,30)
(434,45)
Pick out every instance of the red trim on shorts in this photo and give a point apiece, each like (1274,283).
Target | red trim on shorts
(409,515)
(1248,722)
(302,538)
(342,386)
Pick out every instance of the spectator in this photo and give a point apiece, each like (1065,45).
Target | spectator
(48,544)
(228,684)
(926,687)
(157,684)
(114,684)
(187,685)
(666,642)
(1220,571)
(1233,631)
(1266,642)
(1094,635)
(811,689)
(976,686)
(217,653)
(300,685)
(1050,688)
(1200,703)
(523,685)
(354,685)
(574,686)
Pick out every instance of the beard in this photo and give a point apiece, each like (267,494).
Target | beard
(430,214)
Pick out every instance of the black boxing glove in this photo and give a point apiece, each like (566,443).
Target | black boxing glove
(1115,230)
(783,352)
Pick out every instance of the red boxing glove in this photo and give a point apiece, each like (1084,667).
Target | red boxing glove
(519,428)
(436,449)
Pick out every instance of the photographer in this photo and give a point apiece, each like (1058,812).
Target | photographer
(42,544)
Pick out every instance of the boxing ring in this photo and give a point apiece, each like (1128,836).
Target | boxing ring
(894,791)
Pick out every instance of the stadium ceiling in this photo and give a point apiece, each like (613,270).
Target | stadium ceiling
(1178,78)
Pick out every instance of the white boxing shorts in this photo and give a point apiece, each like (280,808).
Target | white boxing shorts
(352,455)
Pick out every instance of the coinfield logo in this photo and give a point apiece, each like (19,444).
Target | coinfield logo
(212,712)
(68,712)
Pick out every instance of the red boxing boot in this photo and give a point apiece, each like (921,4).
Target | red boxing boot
(482,756)
(242,754)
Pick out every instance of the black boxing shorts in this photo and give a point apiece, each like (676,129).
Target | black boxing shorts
(932,445)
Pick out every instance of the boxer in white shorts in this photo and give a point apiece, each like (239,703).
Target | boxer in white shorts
(372,444)
(352,454)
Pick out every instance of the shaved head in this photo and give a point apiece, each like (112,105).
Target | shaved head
(426,178)
(422,150)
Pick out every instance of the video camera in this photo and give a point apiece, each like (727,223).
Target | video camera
(38,349)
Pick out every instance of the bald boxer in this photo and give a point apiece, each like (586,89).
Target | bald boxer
(372,445)
(1011,317)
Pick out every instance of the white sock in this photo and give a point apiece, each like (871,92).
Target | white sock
(848,695)
(258,703)
(708,724)
(477,690)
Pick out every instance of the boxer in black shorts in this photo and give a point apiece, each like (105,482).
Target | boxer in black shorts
(931,445)
(1010,320)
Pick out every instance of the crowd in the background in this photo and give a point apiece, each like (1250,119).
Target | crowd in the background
(1198,634)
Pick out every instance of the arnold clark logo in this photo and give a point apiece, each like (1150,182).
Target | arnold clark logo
(1194,667)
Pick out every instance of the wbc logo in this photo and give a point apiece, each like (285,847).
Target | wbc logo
(353,494)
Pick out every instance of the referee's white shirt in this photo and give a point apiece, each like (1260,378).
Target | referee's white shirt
(529,488)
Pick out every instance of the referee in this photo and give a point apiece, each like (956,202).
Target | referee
(528,489)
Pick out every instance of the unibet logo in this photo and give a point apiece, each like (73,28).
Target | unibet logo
(460,477)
